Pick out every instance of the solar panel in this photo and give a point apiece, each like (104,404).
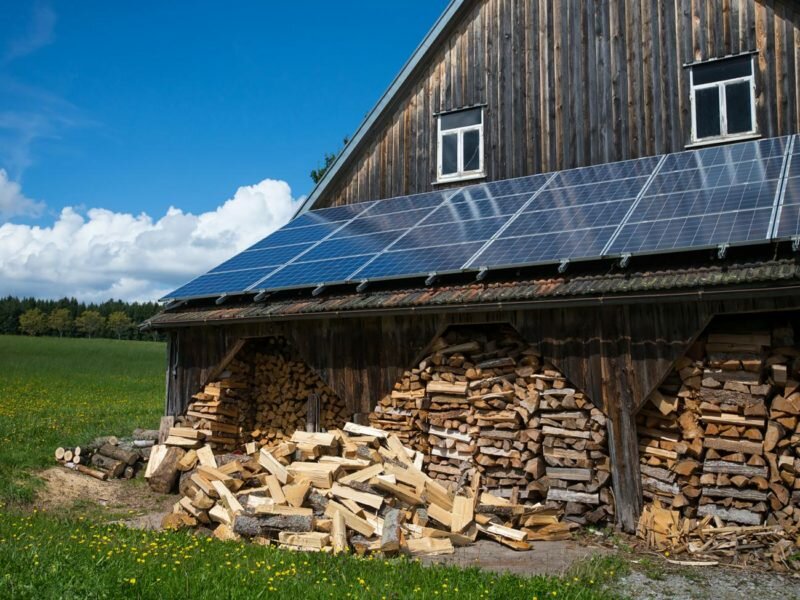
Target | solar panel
(705,198)
(354,243)
(788,217)
(734,194)
(573,216)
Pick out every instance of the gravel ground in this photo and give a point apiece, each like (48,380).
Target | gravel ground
(711,583)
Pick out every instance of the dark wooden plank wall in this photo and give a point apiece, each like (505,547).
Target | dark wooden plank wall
(573,83)
(617,355)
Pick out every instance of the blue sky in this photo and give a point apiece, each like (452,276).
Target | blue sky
(139,107)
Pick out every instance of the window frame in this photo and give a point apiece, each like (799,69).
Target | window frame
(721,86)
(460,173)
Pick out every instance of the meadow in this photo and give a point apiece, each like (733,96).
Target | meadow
(66,391)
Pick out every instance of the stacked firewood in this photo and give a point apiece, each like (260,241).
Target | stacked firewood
(215,411)
(107,457)
(288,395)
(484,402)
(356,489)
(718,438)
(264,393)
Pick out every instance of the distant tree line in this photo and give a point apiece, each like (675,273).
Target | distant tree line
(69,318)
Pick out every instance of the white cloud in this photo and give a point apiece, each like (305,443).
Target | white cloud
(105,254)
(13,202)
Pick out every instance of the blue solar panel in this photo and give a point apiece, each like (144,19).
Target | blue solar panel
(544,248)
(788,219)
(270,257)
(573,216)
(704,198)
(308,274)
(296,235)
(352,246)
(215,284)
(721,195)
(328,215)
(435,259)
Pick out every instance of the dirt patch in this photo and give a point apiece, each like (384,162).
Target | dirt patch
(545,558)
(69,491)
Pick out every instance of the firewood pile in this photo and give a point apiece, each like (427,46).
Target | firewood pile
(263,393)
(719,439)
(108,457)
(484,402)
(708,540)
(357,489)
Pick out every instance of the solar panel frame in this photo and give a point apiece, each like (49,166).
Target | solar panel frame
(744,150)
(782,216)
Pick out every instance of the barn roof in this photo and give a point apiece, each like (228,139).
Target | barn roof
(662,283)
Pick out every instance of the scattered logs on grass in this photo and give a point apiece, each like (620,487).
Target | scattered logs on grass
(719,438)
(484,402)
(108,457)
(354,488)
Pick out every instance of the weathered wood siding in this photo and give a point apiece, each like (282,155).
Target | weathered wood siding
(571,83)
(616,355)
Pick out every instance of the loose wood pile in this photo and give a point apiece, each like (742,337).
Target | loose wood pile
(708,539)
(109,458)
(484,402)
(358,488)
(720,437)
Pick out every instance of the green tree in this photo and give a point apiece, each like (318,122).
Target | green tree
(60,320)
(318,174)
(119,323)
(33,322)
(90,323)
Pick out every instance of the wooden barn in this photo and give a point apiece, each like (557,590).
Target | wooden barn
(562,250)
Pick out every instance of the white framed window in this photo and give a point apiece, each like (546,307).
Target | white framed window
(459,145)
(723,99)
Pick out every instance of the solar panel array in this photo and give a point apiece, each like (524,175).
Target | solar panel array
(727,195)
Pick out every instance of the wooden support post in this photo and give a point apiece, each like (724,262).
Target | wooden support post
(619,399)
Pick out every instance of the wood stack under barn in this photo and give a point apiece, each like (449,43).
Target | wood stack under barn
(483,401)
(719,438)
(264,394)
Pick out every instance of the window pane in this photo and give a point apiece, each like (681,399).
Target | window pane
(720,70)
(449,154)
(737,107)
(707,110)
(462,118)
(472,148)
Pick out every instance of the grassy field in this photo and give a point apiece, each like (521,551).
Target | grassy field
(64,392)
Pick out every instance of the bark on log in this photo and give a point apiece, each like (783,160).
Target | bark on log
(114,468)
(255,526)
(163,479)
(129,457)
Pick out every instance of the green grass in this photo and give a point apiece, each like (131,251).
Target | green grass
(65,392)
(42,556)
